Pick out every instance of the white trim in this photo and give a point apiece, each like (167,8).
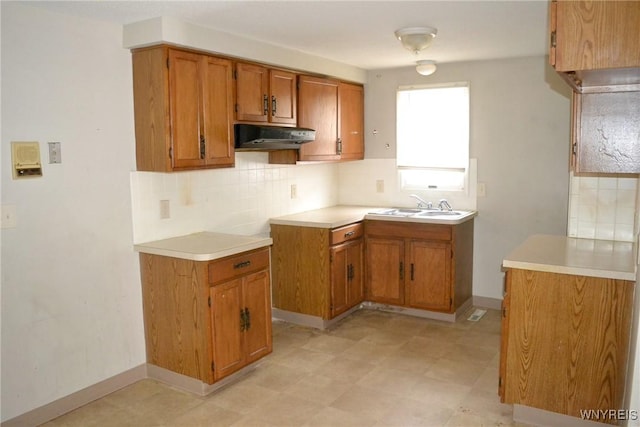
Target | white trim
(540,417)
(487,302)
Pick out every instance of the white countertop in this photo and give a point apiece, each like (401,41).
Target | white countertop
(335,216)
(569,255)
(203,246)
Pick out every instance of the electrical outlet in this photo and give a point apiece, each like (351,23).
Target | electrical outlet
(8,216)
(165,209)
(380,186)
(294,191)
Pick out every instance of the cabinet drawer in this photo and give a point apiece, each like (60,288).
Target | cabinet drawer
(348,232)
(238,265)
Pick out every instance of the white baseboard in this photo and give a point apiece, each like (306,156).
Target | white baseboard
(540,417)
(487,302)
(80,398)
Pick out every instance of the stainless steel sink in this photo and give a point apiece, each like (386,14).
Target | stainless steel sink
(439,213)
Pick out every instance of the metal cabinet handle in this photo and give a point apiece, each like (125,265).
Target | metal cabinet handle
(401,270)
(349,234)
(242,264)
(202,147)
(265,104)
(411,271)
(273,105)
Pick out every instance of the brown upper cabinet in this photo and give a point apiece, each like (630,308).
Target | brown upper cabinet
(594,35)
(265,95)
(336,111)
(351,123)
(183,106)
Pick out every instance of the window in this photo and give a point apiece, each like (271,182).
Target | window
(433,136)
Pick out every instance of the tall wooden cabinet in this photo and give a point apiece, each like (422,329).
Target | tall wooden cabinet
(317,271)
(183,106)
(565,342)
(595,47)
(351,121)
(418,265)
(206,320)
(265,95)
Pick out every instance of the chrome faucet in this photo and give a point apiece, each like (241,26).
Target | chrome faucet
(421,202)
(444,205)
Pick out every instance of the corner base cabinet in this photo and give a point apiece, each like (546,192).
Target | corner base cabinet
(317,271)
(206,319)
(565,342)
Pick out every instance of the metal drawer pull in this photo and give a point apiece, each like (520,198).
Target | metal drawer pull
(349,234)
(242,264)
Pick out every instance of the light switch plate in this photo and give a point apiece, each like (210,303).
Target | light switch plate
(55,155)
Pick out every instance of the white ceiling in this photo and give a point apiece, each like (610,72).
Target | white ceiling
(358,33)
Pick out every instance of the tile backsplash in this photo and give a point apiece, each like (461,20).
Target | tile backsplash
(236,200)
(603,207)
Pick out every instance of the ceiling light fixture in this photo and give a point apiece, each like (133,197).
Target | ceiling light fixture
(416,39)
(426,67)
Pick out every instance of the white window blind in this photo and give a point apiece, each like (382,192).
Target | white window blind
(433,136)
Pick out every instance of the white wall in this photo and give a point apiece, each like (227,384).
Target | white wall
(71,298)
(519,136)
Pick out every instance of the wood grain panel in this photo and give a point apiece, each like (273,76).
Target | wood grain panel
(257,301)
(429,281)
(411,230)
(300,257)
(386,270)
(282,86)
(251,89)
(318,109)
(151,109)
(568,341)
(596,35)
(348,232)
(175,307)
(218,111)
(351,123)
(462,263)
(227,334)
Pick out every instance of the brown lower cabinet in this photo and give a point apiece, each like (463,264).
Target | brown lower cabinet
(317,271)
(419,265)
(206,319)
(565,341)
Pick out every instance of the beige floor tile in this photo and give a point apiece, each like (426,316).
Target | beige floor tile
(370,352)
(471,353)
(329,344)
(285,410)
(428,346)
(333,417)
(391,381)
(318,389)
(206,415)
(436,393)
(411,412)
(345,368)
(274,376)
(98,413)
(455,371)
(303,359)
(352,330)
(242,398)
(388,338)
(366,402)
(408,361)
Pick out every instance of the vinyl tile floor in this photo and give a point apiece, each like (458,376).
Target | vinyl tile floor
(372,369)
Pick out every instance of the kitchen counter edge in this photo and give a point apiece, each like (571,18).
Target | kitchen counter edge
(203,246)
(575,256)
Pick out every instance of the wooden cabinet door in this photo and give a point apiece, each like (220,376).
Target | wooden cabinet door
(347,280)
(385,270)
(185,103)
(217,79)
(318,110)
(504,334)
(429,275)
(351,123)
(227,328)
(355,263)
(252,88)
(339,279)
(283,104)
(592,35)
(257,303)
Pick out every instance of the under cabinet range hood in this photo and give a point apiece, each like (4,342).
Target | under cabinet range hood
(256,137)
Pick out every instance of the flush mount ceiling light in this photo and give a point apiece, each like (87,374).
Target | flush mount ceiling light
(416,39)
(426,67)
